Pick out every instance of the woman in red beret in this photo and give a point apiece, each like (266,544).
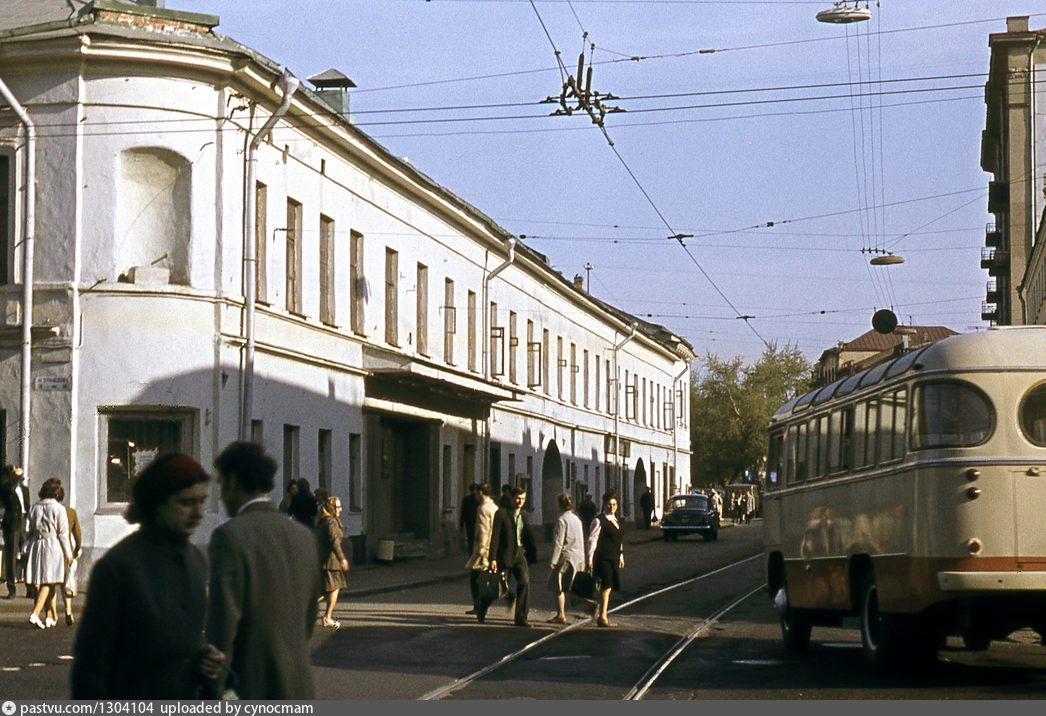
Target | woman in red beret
(141,632)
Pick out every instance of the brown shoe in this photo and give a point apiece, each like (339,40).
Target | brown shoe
(557,620)
(605,624)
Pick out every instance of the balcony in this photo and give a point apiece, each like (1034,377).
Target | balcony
(994,260)
(992,292)
(992,236)
(989,312)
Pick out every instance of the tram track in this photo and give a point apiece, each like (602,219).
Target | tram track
(640,688)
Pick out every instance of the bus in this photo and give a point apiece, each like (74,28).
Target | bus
(912,495)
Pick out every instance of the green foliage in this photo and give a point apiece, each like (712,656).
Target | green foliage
(730,408)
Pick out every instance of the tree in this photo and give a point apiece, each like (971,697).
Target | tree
(731,406)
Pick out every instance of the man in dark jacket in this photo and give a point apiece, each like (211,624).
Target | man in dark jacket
(513,548)
(467,520)
(14,498)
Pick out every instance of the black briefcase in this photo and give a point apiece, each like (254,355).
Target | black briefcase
(489,586)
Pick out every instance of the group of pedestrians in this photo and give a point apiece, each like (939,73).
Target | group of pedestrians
(42,543)
(501,543)
(164,621)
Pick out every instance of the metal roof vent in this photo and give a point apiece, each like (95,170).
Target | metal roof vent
(333,88)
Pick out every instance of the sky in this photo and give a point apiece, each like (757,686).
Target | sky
(761,160)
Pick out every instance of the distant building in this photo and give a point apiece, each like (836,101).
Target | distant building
(217,252)
(872,347)
(1013,150)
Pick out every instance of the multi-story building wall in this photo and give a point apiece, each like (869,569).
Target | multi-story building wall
(211,251)
(1013,150)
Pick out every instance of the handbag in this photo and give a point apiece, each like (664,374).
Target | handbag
(583,586)
(488,585)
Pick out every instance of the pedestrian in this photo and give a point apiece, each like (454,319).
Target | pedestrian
(467,519)
(749,506)
(479,560)
(14,498)
(47,552)
(333,562)
(141,630)
(303,505)
(717,503)
(264,584)
(320,495)
(289,493)
(586,510)
(646,507)
(513,550)
(506,502)
(76,542)
(568,555)
(606,555)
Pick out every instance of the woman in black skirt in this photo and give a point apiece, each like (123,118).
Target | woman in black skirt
(605,555)
(333,563)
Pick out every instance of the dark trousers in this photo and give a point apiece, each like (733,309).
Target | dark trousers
(13,540)
(520,572)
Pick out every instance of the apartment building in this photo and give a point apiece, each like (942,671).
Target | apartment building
(209,250)
(1013,152)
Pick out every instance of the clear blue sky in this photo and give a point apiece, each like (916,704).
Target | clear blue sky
(849,138)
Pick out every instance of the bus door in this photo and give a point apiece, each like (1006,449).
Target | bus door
(1029,495)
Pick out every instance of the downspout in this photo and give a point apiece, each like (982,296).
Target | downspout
(511,243)
(27,271)
(289,83)
(675,424)
(617,403)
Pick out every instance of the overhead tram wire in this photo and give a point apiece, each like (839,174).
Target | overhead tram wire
(674,234)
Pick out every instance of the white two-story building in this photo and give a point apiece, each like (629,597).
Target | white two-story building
(197,248)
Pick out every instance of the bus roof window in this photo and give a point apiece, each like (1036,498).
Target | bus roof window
(827,392)
(875,374)
(849,385)
(904,362)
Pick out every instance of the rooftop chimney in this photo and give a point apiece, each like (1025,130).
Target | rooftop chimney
(1018,23)
(579,282)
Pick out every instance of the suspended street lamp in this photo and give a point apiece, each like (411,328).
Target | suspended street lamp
(840,12)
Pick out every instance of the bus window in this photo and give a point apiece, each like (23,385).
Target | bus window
(788,476)
(800,453)
(1033,415)
(867,427)
(774,460)
(820,455)
(840,440)
(891,426)
(950,414)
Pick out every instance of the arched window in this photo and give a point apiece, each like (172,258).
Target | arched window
(153,218)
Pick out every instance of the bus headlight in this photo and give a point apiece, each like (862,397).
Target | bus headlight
(972,474)
(974,546)
(973,492)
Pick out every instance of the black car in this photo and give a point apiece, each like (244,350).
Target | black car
(689,514)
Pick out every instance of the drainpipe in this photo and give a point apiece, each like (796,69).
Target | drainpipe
(511,243)
(289,83)
(27,271)
(675,424)
(617,403)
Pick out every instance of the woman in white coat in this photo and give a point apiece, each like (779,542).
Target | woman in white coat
(568,555)
(48,552)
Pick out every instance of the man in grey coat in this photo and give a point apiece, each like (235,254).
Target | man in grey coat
(265,582)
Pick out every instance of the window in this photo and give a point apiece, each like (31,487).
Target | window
(258,432)
(801,464)
(134,436)
(950,414)
(392,274)
(448,479)
(422,319)
(449,321)
(573,374)
(323,455)
(774,460)
(595,383)
(544,359)
(533,357)
(866,432)
(293,268)
(356,285)
(261,203)
(471,308)
(1033,415)
(892,413)
(497,343)
(355,474)
(291,445)
(513,347)
(326,269)
(584,377)
(561,363)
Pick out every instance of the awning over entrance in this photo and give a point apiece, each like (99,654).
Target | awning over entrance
(399,378)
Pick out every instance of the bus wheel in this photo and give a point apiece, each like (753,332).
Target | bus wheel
(975,639)
(795,623)
(878,637)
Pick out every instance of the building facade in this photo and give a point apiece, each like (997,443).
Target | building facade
(199,248)
(1013,151)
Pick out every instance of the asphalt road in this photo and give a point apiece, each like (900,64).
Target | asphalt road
(419,643)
